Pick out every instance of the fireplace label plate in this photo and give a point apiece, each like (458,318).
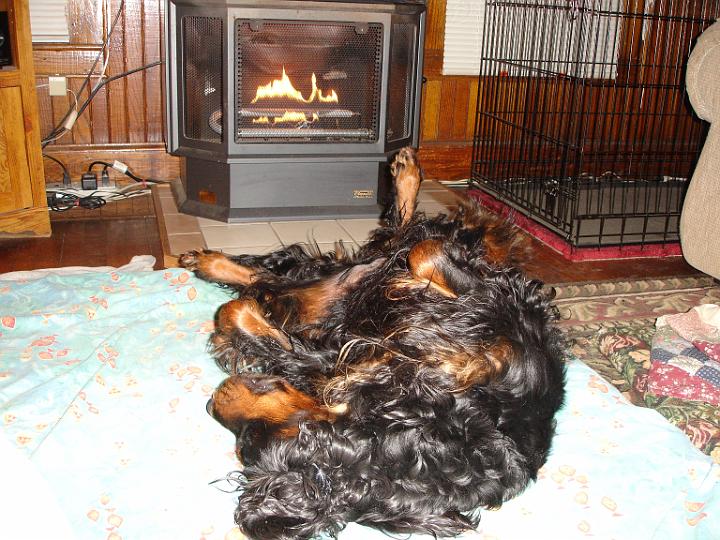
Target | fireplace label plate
(363,193)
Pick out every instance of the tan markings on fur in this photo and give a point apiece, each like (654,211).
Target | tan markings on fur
(480,367)
(220,268)
(499,249)
(314,300)
(354,374)
(233,400)
(247,316)
(424,264)
(503,243)
(407,180)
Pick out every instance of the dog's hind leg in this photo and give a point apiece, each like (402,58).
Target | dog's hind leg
(308,304)
(216,267)
(407,179)
(258,408)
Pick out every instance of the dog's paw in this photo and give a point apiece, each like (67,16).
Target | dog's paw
(190,259)
(405,158)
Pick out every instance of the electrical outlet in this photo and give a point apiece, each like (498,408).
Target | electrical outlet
(58,86)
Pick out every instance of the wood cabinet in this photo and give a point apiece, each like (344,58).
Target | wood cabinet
(23,204)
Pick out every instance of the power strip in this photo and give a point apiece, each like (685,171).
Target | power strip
(76,187)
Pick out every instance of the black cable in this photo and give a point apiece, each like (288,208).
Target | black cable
(66,173)
(97,88)
(59,126)
(113,78)
(98,162)
(127,173)
(62,202)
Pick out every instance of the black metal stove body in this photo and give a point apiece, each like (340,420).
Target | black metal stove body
(289,109)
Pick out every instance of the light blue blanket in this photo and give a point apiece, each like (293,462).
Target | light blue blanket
(103,383)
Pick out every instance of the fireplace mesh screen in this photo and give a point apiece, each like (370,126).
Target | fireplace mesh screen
(401,81)
(305,82)
(203,64)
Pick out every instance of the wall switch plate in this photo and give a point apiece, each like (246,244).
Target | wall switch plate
(58,86)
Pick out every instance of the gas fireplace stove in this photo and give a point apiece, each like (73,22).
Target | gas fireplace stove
(290,109)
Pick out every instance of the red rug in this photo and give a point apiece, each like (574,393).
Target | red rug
(557,243)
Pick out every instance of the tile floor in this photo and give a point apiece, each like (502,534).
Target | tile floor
(181,232)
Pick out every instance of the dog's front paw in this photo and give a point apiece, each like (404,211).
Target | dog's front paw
(189,259)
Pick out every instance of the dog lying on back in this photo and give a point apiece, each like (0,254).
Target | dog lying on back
(404,386)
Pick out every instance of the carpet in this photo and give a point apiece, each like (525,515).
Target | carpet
(570,252)
(610,326)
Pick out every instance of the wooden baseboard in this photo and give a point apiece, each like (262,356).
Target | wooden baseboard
(445,162)
(439,161)
(146,161)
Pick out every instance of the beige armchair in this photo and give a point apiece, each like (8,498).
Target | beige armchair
(700,218)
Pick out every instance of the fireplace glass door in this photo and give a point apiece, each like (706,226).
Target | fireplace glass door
(307,81)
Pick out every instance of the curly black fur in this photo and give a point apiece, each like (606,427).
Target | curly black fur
(446,400)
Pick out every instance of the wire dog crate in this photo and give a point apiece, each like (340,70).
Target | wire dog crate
(583,123)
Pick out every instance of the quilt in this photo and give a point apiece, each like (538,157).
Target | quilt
(104,378)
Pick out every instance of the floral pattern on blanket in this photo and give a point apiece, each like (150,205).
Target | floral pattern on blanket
(103,384)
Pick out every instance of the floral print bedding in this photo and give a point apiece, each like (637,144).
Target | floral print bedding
(103,384)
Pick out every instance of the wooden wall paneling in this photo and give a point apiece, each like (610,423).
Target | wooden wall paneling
(63,59)
(99,111)
(117,118)
(448,89)
(125,119)
(474,92)
(460,108)
(54,59)
(86,21)
(82,130)
(134,56)
(430,110)
(146,160)
(447,123)
(445,162)
(435,25)
(154,99)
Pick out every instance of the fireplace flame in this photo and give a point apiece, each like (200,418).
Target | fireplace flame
(283,88)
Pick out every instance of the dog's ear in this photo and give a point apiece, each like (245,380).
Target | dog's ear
(435,264)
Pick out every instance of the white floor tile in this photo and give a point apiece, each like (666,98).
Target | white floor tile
(240,235)
(433,209)
(251,250)
(359,229)
(445,197)
(205,222)
(321,231)
(431,185)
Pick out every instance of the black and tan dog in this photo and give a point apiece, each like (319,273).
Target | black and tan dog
(405,386)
